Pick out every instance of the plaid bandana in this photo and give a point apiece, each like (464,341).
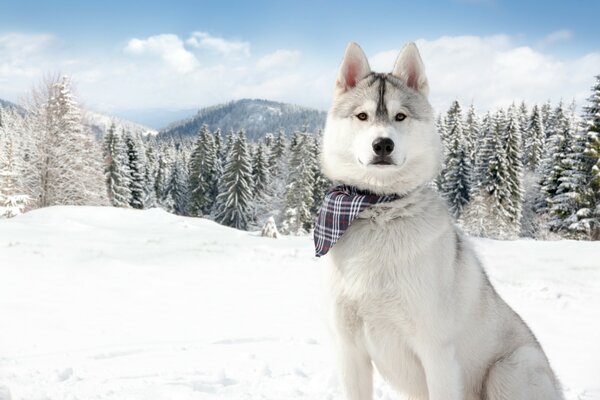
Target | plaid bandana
(341,206)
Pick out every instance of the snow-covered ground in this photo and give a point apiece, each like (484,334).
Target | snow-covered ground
(104,303)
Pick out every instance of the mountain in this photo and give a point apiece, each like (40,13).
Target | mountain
(96,122)
(257,117)
(9,104)
(100,123)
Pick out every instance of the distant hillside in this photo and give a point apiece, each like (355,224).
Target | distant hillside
(257,117)
(100,123)
(8,104)
(96,122)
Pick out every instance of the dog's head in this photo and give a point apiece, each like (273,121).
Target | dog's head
(380,133)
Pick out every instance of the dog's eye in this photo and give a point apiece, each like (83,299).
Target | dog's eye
(400,117)
(362,116)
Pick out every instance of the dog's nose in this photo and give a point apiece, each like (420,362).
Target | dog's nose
(383,146)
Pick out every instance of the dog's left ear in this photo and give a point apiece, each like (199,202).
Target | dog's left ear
(409,67)
(354,68)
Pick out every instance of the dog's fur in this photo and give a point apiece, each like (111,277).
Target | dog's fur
(407,293)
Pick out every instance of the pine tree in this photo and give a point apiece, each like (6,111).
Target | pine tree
(276,152)
(558,145)
(136,171)
(263,189)
(203,181)
(485,150)
(586,221)
(234,202)
(456,185)
(116,168)
(523,117)
(297,216)
(546,112)
(534,145)
(489,214)
(471,133)
(322,183)
(12,199)
(443,133)
(175,194)
(150,170)
(260,173)
(514,156)
(68,161)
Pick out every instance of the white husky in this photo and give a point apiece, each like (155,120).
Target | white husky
(408,294)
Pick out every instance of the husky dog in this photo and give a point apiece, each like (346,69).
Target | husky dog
(407,292)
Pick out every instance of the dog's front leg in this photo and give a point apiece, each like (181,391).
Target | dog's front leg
(443,373)
(356,372)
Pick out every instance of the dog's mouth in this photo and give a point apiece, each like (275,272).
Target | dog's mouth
(382,161)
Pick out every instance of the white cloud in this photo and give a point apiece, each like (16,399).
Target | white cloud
(493,72)
(203,40)
(279,58)
(557,36)
(169,47)
(490,71)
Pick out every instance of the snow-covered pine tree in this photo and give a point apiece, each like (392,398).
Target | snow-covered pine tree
(534,144)
(12,198)
(234,202)
(276,152)
(523,116)
(442,131)
(471,133)
(514,163)
(456,185)
(563,206)
(261,177)
(219,148)
(546,112)
(268,141)
(204,174)
(163,173)
(488,214)
(297,216)
(175,194)
(269,229)
(557,146)
(69,163)
(260,171)
(150,199)
(116,168)
(136,170)
(484,150)
(586,221)
(322,183)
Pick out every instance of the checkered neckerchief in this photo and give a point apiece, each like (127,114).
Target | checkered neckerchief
(341,206)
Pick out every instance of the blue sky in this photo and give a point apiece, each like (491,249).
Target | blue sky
(130,57)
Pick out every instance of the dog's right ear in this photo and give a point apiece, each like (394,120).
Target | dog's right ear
(354,68)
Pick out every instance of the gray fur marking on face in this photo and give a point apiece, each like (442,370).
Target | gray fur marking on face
(381,88)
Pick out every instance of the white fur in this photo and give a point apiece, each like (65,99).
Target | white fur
(407,293)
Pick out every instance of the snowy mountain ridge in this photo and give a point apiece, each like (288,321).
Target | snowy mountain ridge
(256,116)
(100,123)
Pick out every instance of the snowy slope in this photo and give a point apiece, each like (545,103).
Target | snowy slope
(257,117)
(100,123)
(104,303)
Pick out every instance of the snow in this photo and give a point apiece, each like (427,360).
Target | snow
(106,303)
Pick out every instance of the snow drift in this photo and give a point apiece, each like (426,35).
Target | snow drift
(110,303)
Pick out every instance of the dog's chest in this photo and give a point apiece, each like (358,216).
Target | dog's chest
(380,269)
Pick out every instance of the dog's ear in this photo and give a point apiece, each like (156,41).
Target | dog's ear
(409,67)
(354,68)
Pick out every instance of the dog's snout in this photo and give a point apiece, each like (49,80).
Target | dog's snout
(383,146)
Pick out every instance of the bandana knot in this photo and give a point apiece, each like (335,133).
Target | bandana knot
(341,206)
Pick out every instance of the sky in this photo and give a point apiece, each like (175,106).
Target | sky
(153,61)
